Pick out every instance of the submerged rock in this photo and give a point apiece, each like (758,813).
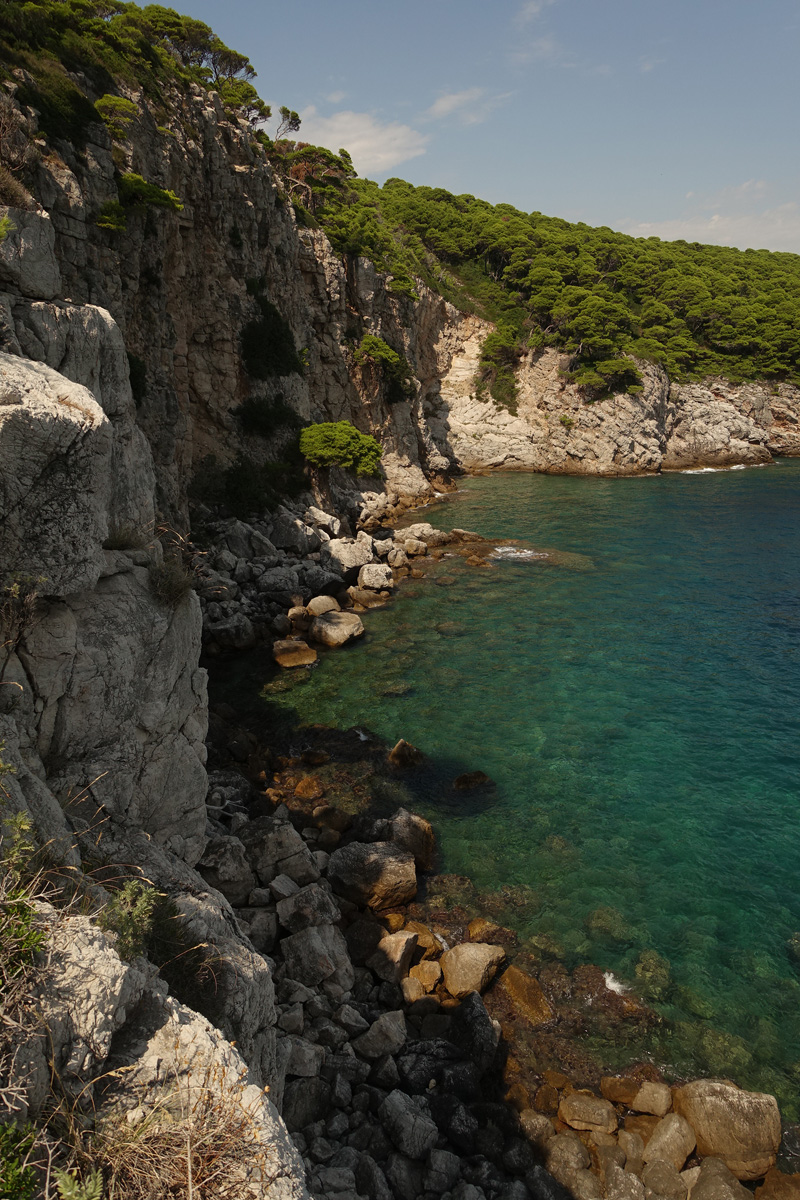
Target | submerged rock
(293,652)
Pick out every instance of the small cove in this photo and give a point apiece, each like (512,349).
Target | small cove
(635,696)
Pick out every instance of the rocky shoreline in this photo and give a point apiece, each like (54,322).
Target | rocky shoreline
(422,1044)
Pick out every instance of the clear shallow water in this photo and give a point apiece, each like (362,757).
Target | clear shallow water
(636,698)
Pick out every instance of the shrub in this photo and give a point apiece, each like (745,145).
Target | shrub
(64,111)
(18,1180)
(566,421)
(12,192)
(117,112)
(125,536)
(268,347)
(130,914)
(147,921)
(112,216)
(393,367)
(264,417)
(338,443)
(500,354)
(171,580)
(135,192)
(7,226)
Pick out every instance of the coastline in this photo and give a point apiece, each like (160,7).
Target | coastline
(607,1003)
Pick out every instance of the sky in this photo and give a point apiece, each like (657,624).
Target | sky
(675,119)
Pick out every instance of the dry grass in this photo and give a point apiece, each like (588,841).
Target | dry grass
(197,1140)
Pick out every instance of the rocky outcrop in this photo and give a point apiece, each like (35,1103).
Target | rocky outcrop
(665,427)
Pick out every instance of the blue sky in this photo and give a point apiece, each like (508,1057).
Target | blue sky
(676,119)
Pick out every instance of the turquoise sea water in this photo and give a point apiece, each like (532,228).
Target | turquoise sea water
(635,695)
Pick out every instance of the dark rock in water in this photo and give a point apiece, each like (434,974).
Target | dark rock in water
(793,947)
(404,755)
(472,779)
(304,1101)
(473,1031)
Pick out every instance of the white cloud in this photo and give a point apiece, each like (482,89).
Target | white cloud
(530,10)
(469,107)
(336,97)
(374,145)
(776,228)
(646,65)
(451,102)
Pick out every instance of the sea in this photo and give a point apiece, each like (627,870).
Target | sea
(627,673)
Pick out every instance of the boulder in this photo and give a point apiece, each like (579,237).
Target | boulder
(322,604)
(404,755)
(525,995)
(235,632)
(274,847)
(346,556)
(392,956)
(305,1058)
(279,584)
(672,1139)
(293,652)
(376,874)
(225,867)
(716,1182)
(581,1110)
(411,1129)
(474,1032)
(622,1185)
(325,521)
(414,548)
(290,533)
(311,905)
(655,1098)
(564,1155)
(428,973)
(662,1179)
(364,598)
(387,1035)
(537,1128)
(470,967)
(376,576)
(335,628)
(742,1128)
(415,834)
(304,1101)
(621,1089)
(316,954)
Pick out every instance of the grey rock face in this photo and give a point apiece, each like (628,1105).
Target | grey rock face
(387,1035)
(411,1129)
(27,255)
(276,848)
(225,866)
(317,954)
(311,905)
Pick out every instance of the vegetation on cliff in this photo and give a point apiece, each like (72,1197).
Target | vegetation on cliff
(338,443)
(602,297)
